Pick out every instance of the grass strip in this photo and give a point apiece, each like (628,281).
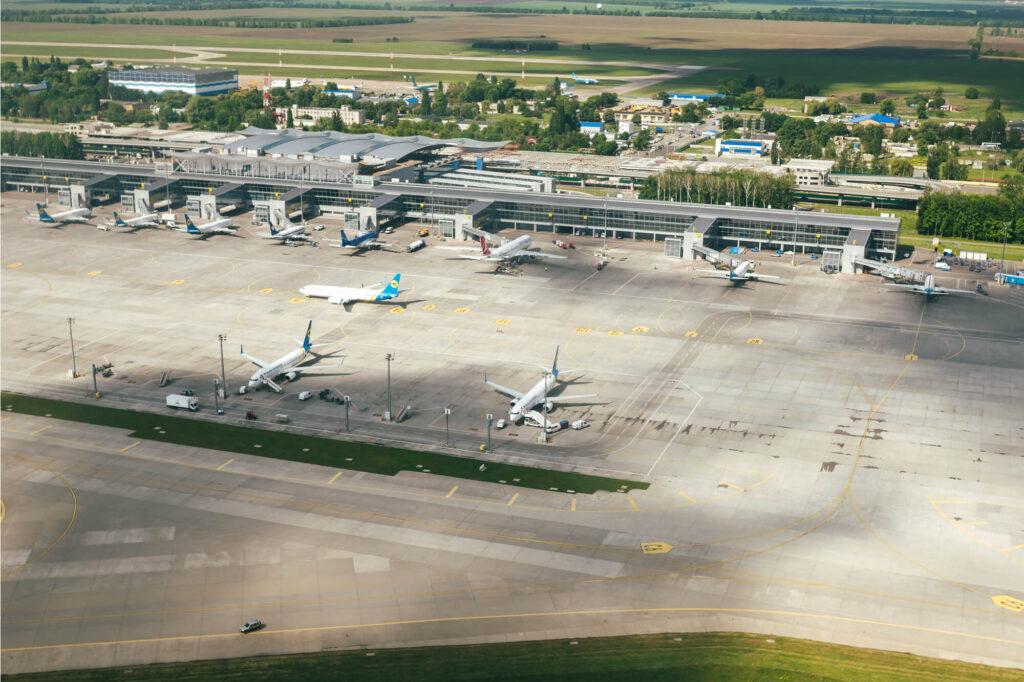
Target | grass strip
(375,459)
(714,656)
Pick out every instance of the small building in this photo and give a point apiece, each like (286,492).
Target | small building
(809,171)
(348,115)
(591,129)
(31,88)
(351,93)
(212,81)
(811,101)
(681,98)
(290,82)
(874,119)
(648,115)
(754,148)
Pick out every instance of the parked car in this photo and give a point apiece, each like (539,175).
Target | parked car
(252,626)
(305,395)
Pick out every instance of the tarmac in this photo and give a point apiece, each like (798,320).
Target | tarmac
(828,459)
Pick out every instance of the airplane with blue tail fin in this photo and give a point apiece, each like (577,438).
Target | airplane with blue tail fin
(385,290)
(521,404)
(219,225)
(75,215)
(287,365)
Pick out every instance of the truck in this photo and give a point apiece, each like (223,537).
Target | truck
(415,246)
(580,424)
(188,402)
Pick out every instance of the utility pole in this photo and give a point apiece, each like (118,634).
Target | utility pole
(447,414)
(490,418)
(347,401)
(387,415)
(216,403)
(223,377)
(95,388)
(74,367)
(1002,259)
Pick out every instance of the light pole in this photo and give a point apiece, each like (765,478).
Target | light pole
(223,377)
(447,414)
(74,368)
(1002,259)
(387,415)
(95,388)
(347,401)
(216,390)
(490,418)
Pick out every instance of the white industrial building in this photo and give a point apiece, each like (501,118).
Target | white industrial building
(185,79)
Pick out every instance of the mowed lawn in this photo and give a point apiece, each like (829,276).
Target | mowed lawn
(694,657)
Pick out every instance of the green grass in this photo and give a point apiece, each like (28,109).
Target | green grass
(374,459)
(694,657)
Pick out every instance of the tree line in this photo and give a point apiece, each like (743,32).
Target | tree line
(979,217)
(230,22)
(738,188)
(50,145)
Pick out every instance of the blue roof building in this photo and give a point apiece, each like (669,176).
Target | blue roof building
(590,129)
(879,119)
(740,147)
(687,98)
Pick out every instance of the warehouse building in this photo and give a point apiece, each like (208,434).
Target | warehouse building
(185,79)
(749,148)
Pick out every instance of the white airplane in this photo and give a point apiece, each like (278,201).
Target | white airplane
(219,225)
(289,231)
(929,288)
(287,365)
(509,251)
(144,220)
(521,404)
(382,291)
(741,273)
(585,81)
(361,242)
(75,215)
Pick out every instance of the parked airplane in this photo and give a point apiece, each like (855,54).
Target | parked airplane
(929,288)
(521,404)
(75,215)
(382,291)
(422,88)
(287,365)
(585,81)
(219,225)
(144,220)
(366,240)
(289,231)
(514,250)
(741,273)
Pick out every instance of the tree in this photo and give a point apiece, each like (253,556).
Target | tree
(1012,186)
(971,92)
(901,168)
(887,107)
(163,117)
(425,103)
(289,120)
(867,98)
(900,135)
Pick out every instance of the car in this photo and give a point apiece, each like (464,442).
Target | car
(318,228)
(305,395)
(187,391)
(252,626)
(500,424)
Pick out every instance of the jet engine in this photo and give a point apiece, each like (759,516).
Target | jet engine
(291,376)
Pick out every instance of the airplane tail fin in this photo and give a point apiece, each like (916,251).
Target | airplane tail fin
(414,82)
(554,365)
(483,246)
(118,221)
(43,215)
(344,239)
(306,343)
(273,232)
(190,227)
(391,290)
(574,75)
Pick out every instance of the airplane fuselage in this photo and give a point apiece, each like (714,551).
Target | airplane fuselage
(277,368)
(519,406)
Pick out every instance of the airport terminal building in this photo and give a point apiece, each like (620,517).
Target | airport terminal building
(211,81)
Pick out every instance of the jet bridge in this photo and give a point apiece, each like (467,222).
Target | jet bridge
(896,273)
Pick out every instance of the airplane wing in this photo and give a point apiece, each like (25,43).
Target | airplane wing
(570,398)
(256,361)
(340,300)
(511,392)
(478,257)
(912,288)
(944,290)
(540,254)
(717,273)
(754,275)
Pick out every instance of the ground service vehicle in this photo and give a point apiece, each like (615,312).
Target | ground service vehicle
(416,245)
(187,402)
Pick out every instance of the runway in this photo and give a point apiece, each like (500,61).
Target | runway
(827,460)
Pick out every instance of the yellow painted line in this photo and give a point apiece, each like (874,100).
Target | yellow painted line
(520,616)
(429,306)
(655,547)
(129,447)
(334,478)
(71,521)
(225,464)
(1008,602)
(1010,549)
(3,511)
(451,492)
(50,426)
(14,265)
(688,497)
(510,502)
(297,299)
(94,273)
(177,281)
(971,523)
(582,330)
(732,485)
(635,508)
(397,310)
(573,507)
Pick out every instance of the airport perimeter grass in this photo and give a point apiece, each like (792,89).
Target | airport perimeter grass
(694,657)
(376,459)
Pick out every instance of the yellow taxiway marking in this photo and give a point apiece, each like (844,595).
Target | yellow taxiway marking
(429,306)
(688,497)
(655,547)
(1008,602)
(572,507)
(71,521)
(14,265)
(177,281)
(3,511)
(512,501)
(615,332)
(334,478)
(910,357)
(641,330)
(37,431)
(451,492)
(297,299)
(94,273)
(266,291)
(753,340)
(129,447)
(971,523)
(1010,549)
(461,310)
(582,330)
(502,321)
(635,508)
(523,616)
(221,467)
(732,485)
(691,335)
(396,310)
